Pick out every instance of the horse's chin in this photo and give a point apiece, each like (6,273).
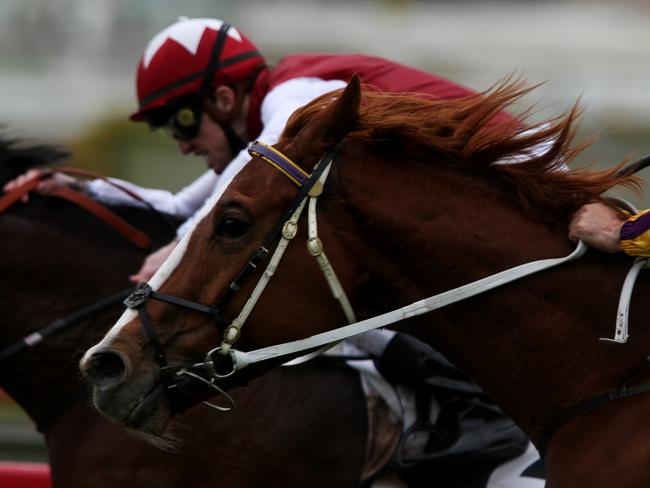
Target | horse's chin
(166,441)
(144,413)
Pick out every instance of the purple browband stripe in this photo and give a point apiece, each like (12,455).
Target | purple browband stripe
(634,228)
(280,161)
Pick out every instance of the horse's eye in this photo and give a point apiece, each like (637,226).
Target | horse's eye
(231,227)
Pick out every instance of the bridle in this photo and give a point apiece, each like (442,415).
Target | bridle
(311,187)
(284,230)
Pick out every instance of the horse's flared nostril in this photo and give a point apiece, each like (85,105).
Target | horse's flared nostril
(104,368)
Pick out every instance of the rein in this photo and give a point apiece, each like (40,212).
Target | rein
(133,235)
(241,359)
(620,392)
(62,323)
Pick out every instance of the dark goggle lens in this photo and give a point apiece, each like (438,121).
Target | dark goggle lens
(184,123)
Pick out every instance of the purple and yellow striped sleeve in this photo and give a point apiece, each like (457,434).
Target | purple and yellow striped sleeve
(635,234)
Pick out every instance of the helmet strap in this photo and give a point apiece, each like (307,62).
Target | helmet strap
(213,62)
(235,142)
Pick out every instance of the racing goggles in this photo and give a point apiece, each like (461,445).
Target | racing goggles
(181,118)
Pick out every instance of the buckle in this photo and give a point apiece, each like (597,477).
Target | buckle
(138,296)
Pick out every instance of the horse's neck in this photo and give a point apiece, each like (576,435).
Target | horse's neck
(532,345)
(442,232)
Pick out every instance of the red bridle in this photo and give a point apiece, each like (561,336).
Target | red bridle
(135,236)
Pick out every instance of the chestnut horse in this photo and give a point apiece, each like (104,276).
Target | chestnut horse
(417,202)
(55,260)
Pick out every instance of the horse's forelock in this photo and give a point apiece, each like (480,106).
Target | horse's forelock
(16,157)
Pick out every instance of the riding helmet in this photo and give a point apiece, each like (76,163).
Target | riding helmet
(193,55)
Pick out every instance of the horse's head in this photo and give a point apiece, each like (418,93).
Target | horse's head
(204,268)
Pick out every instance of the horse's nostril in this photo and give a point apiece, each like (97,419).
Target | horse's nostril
(105,367)
(110,364)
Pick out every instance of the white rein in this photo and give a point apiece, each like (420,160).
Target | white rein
(242,359)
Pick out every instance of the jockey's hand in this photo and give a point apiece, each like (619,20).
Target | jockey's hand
(598,225)
(45,187)
(152,263)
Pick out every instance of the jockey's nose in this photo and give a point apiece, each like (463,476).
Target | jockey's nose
(105,368)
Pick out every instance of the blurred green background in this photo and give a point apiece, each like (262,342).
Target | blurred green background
(67,75)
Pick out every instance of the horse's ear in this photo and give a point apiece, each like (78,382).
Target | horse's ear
(344,113)
(335,120)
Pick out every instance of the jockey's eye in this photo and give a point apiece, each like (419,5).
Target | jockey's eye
(232,227)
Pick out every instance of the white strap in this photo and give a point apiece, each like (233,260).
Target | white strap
(243,359)
(315,248)
(621,331)
(231,334)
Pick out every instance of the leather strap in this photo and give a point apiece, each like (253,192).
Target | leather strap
(16,194)
(620,392)
(58,325)
(90,174)
(137,237)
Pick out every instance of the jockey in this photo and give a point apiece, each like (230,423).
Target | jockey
(209,86)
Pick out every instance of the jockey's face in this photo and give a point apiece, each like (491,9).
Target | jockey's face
(210,142)
(192,121)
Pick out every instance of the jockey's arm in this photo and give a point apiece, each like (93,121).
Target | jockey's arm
(181,204)
(635,234)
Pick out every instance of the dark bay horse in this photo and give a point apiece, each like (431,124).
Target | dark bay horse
(56,259)
(417,202)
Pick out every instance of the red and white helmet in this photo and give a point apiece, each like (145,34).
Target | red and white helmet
(191,55)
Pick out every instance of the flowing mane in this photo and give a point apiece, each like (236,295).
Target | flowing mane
(462,133)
